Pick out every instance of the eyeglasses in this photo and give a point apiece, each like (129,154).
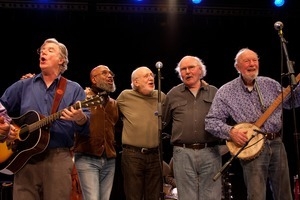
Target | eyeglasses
(105,73)
(146,76)
(190,68)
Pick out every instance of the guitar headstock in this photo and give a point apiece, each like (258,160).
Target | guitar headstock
(93,101)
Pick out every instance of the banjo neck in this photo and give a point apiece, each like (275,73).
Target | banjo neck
(274,105)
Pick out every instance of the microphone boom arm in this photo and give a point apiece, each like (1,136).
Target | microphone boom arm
(290,64)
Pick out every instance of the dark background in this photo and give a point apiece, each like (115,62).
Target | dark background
(124,36)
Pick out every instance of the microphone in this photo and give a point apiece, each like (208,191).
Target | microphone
(278,25)
(159,65)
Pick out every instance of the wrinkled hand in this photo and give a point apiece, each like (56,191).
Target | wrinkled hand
(74,115)
(13,134)
(238,136)
(29,75)
(8,132)
(4,127)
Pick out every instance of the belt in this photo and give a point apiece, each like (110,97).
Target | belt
(272,136)
(143,150)
(59,149)
(41,156)
(196,145)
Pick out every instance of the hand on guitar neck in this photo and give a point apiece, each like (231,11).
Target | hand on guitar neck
(73,114)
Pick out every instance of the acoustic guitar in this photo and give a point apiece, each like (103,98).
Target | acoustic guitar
(33,136)
(256,143)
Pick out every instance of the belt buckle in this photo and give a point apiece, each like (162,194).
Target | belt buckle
(144,150)
(196,146)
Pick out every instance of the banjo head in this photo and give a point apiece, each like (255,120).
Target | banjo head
(253,148)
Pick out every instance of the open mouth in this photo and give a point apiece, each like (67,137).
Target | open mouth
(251,70)
(188,77)
(110,81)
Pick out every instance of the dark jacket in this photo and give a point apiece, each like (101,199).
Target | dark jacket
(102,130)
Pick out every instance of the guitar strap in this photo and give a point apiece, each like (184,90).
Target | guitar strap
(59,93)
(263,107)
(76,193)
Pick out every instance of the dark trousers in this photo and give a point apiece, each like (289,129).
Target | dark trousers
(142,175)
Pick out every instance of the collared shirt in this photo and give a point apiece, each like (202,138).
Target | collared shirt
(3,113)
(32,94)
(140,122)
(188,113)
(235,103)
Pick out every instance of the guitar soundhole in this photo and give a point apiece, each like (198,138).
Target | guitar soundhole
(24,135)
(28,138)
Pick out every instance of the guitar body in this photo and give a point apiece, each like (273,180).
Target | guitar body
(13,156)
(33,136)
(255,145)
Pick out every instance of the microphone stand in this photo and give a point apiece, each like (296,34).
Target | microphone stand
(291,72)
(226,166)
(159,115)
(293,83)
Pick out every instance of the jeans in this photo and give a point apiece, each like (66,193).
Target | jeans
(194,171)
(96,175)
(271,164)
(142,175)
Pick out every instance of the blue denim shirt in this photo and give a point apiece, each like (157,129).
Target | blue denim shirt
(33,95)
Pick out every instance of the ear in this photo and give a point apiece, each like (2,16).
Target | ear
(61,61)
(136,83)
(93,80)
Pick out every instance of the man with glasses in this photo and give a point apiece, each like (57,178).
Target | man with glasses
(141,165)
(95,155)
(196,155)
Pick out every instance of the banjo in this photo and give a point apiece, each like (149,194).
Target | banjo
(256,141)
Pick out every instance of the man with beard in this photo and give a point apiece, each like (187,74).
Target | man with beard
(235,115)
(95,155)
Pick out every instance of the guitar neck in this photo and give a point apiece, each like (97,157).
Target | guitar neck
(48,120)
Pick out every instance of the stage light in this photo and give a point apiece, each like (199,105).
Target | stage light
(196,1)
(279,3)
